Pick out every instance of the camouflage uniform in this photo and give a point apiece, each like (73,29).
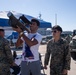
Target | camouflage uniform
(68,38)
(5,57)
(60,56)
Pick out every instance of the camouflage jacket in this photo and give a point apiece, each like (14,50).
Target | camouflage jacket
(60,54)
(5,52)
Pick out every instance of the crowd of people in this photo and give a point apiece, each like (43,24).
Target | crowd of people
(57,48)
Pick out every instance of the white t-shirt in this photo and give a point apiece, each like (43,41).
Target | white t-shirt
(34,48)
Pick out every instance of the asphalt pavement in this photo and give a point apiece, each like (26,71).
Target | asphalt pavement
(42,50)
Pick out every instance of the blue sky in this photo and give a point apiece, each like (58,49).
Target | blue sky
(65,10)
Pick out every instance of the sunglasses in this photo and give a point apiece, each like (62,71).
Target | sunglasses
(54,31)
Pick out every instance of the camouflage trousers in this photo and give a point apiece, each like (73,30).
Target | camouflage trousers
(4,72)
(56,71)
(4,69)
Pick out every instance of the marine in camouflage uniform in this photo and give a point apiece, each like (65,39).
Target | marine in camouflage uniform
(60,56)
(5,56)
